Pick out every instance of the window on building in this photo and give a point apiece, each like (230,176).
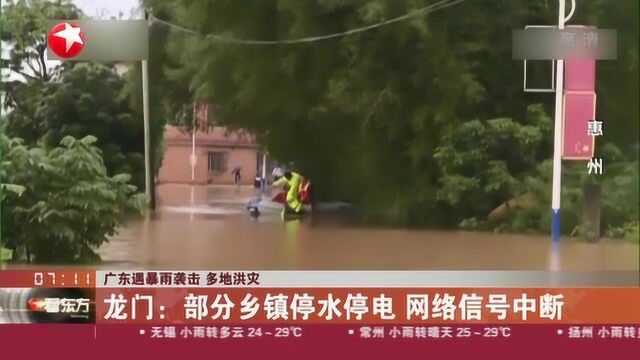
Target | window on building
(217,161)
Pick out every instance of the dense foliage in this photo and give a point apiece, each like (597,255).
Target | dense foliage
(59,204)
(73,99)
(62,197)
(24,29)
(87,100)
(426,120)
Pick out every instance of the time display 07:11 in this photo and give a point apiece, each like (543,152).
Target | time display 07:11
(65,278)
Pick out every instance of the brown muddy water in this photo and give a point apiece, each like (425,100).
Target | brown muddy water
(207,227)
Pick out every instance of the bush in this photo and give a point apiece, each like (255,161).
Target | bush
(59,205)
(619,199)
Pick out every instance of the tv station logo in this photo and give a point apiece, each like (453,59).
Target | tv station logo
(77,307)
(50,305)
(66,40)
(97,40)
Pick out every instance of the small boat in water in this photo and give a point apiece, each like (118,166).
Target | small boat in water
(275,206)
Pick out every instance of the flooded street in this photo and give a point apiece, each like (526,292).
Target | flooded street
(208,228)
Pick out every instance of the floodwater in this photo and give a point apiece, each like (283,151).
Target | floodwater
(207,227)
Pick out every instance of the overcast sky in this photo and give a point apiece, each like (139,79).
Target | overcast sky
(105,9)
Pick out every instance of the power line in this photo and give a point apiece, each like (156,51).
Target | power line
(442,4)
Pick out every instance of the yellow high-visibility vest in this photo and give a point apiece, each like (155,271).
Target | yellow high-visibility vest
(294,189)
(292,195)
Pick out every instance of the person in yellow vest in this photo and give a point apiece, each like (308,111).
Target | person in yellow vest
(292,180)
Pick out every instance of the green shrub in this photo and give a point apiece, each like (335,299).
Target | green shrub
(59,204)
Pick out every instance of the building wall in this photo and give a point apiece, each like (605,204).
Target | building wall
(243,157)
(176,164)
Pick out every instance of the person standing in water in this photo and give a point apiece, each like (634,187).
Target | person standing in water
(236,174)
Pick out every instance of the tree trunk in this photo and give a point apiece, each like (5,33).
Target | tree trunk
(591,214)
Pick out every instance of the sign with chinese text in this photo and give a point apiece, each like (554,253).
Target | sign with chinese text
(186,312)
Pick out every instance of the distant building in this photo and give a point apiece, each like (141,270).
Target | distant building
(217,152)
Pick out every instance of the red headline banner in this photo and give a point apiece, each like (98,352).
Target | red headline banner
(367,305)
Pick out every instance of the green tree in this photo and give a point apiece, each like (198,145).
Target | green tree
(483,162)
(619,198)
(24,34)
(338,97)
(76,99)
(88,99)
(63,205)
(385,101)
(473,177)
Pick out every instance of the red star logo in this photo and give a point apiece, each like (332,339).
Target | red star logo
(66,40)
(36,304)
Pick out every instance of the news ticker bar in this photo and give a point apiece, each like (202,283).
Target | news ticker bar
(57,278)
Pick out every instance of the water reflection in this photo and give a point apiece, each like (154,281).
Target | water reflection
(209,229)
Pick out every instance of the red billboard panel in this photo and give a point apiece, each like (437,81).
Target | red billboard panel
(579,109)
(580,75)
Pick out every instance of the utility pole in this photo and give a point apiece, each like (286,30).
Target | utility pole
(193,143)
(148,170)
(147,148)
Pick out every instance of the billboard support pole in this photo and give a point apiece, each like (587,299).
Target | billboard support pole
(557,133)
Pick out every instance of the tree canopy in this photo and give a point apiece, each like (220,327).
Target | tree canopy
(24,33)
(45,104)
(62,205)
(71,145)
(383,117)
(87,100)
